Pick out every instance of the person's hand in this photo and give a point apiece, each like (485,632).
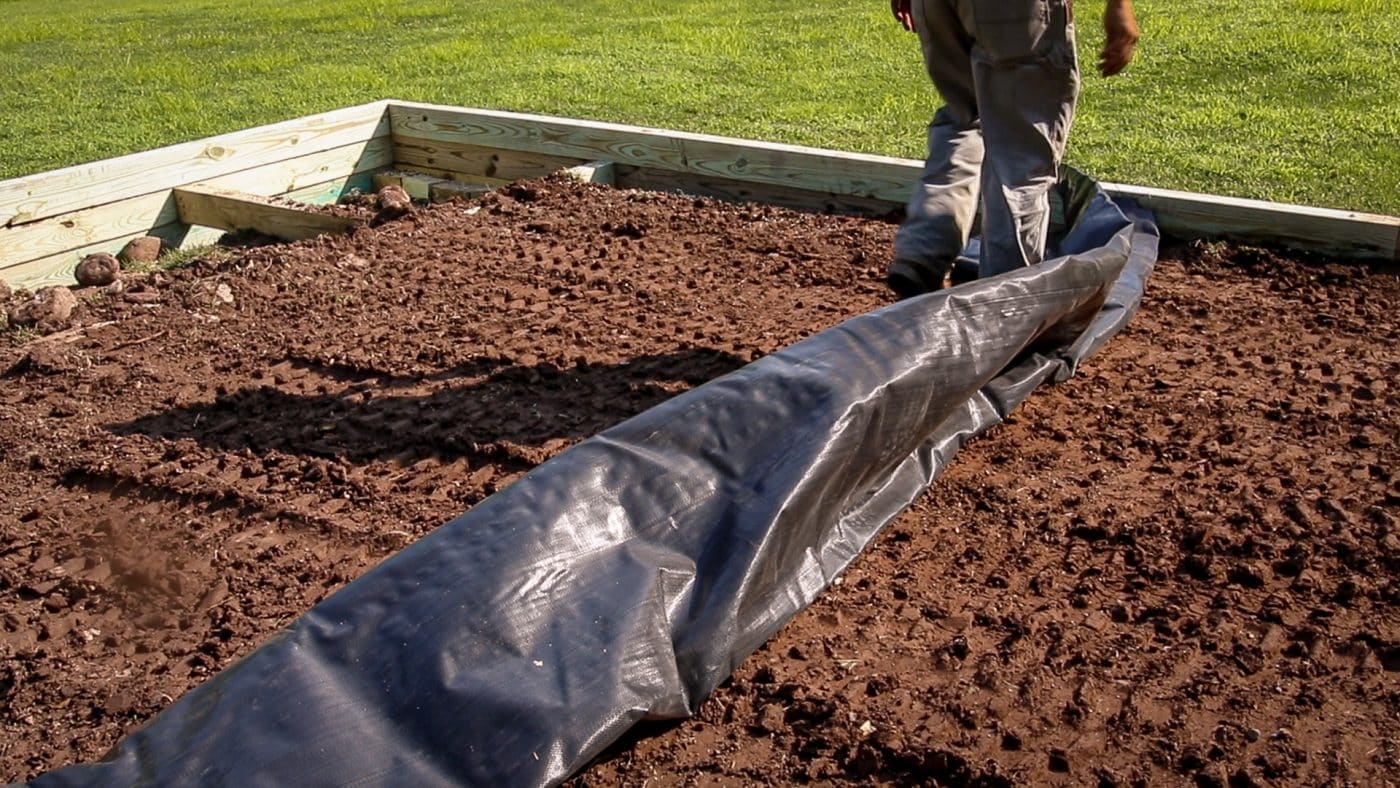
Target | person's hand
(1121,36)
(903,13)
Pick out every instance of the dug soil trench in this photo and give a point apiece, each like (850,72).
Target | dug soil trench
(1180,565)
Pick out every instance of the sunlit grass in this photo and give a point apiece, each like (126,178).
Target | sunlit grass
(1295,100)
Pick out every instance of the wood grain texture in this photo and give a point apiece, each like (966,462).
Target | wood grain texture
(445,191)
(847,174)
(1342,233)
(330,192)
(211,206)
(468,159)
(58,269)
(455,176)
(741,191)
(732,168)
(49,218)
(34,197)
(123,218)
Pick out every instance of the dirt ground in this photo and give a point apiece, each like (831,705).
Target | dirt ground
(1179,566)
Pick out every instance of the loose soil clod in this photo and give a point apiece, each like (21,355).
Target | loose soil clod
(98,270)
(1178,566)
(394,203)
(48,310)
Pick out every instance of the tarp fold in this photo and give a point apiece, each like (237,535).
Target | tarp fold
(626,578)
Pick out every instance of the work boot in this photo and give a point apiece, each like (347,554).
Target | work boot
(908,279)
(965,270)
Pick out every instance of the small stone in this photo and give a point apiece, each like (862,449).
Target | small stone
(119,703)
(770,718)
(146,249)
(356,196)
(223,294)
(48,310)
(98,270)
(393,203)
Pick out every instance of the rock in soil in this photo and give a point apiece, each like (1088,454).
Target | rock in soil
(146,249)
(358,198)
(48,310)
(394,203)
(98,270)
(5,291)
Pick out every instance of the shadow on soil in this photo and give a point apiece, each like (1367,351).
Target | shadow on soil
(481,409)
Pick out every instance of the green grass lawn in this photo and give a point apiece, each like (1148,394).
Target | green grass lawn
(1293,100)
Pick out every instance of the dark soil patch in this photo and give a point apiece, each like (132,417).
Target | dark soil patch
(1178,566)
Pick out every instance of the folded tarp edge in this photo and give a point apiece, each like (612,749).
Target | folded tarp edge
(627,577)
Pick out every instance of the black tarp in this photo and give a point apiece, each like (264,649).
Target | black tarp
(627,577)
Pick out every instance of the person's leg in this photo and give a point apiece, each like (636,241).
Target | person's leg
(1027,82)
(941,211)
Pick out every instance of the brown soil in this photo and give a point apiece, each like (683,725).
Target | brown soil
(1179,565)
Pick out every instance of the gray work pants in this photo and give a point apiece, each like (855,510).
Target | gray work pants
(1009,78)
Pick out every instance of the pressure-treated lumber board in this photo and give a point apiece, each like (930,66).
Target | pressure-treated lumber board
(728,165)
(445,190)
(63,233)
(463,157)
(432,188)
(459,177)
(491,147)
(626,177)
(33,197)
(1348,233)
(58,269)
(211,206)
(764,162)
(330,192)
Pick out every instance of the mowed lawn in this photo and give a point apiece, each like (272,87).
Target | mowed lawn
(1292,100)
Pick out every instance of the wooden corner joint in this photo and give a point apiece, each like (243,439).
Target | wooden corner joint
(228,209)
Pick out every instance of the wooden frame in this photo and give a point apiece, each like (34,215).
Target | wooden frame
(50,220)
(189,193)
